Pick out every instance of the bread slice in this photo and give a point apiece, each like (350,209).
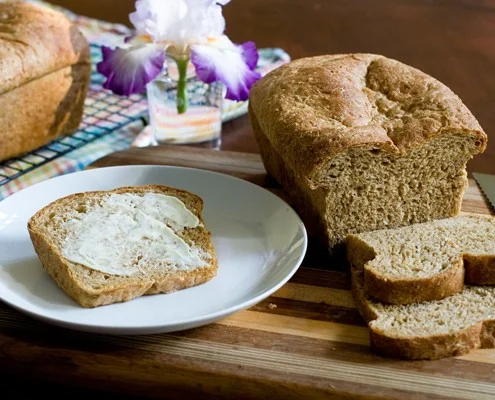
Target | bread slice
(427,261)
(431,330)
(365,137)
(61,228)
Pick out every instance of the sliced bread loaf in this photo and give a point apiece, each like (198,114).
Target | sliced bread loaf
(364,136)
(112,246)
(427,261)
(443,328)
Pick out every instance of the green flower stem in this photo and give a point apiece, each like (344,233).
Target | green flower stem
(182,100)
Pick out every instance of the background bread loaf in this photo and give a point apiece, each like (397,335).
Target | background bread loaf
(45,71)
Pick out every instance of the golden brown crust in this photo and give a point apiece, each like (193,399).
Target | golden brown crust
(45,69)
(26,126)
(467,268)
(315,108)
(407,291)
(480,269)
(308,208)
(431,348)
(36,41)
(481,335)
(119,288)
(364,306)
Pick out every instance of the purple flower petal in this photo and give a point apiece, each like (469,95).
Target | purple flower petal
(241,91)
(223,61)
(129,70)
(250,54)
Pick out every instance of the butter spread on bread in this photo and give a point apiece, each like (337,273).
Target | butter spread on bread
(144,243)
(127,233)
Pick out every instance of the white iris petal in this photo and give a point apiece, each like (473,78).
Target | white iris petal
(180,22)
(185,30)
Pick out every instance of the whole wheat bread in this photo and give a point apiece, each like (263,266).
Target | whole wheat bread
(431,330)
(50,228)
(45,71)
(427,261)
(365,137)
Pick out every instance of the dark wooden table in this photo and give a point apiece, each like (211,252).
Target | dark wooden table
(452,40)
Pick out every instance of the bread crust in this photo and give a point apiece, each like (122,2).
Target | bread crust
(314,108)
(430,348)
(27,126)
(407,291)
(480,335)
(36,41)
(118,289)
(480,269)
(310,205)
(45,71)
(466,268)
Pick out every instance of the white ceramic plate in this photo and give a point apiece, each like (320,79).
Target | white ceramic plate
(259,239)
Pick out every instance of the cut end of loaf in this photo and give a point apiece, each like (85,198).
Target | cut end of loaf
(376,189)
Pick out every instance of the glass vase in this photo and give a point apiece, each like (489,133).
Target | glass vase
(202,120)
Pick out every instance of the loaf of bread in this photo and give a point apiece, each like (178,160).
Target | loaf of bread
(44,75)
(112,246)
(430,330)
(362,142)
(427,261)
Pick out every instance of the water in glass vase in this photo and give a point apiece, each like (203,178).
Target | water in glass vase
(200,106)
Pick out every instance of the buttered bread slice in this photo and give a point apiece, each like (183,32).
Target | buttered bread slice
(112,246)
(427,261)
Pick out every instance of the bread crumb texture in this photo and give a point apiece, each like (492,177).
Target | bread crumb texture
(427,261)
(408,262)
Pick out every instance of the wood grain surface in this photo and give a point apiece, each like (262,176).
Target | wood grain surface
(305,341)
(452,40)
(313,344)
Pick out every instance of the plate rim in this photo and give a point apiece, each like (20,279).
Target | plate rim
(200,320)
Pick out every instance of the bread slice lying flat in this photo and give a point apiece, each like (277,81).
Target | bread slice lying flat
(430,330)
(112,246)
(427,261)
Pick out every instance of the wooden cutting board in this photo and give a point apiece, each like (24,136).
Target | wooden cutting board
(305,341)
